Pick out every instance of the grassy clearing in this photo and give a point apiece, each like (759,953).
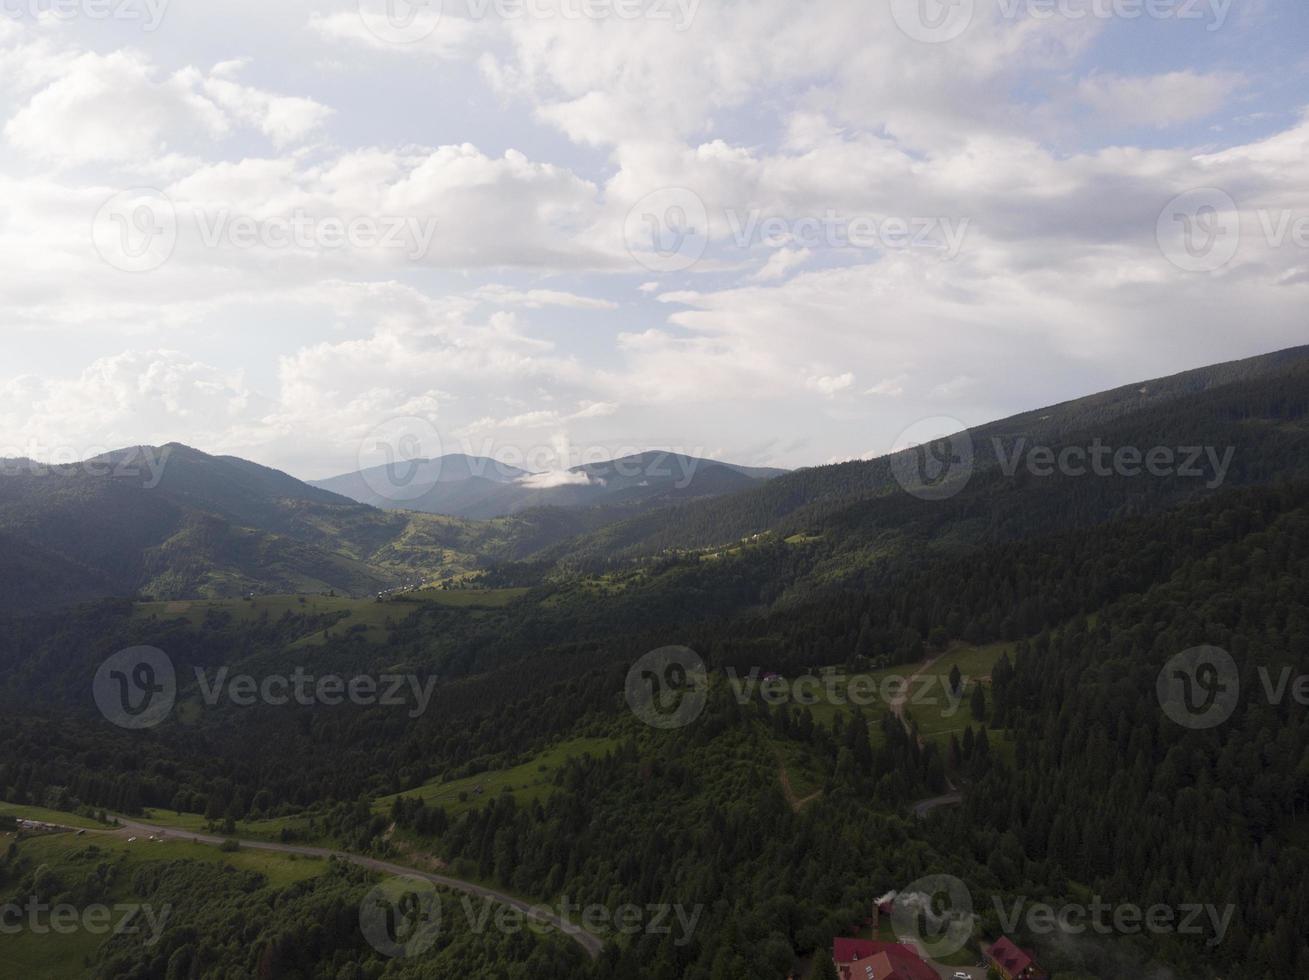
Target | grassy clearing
(928,703)
(803,772)
(471,598)
(58,956)
(48,816)
(530,781)
(973,661)
(263,830)
(369,616)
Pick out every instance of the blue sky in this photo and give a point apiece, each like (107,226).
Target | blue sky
(861,226)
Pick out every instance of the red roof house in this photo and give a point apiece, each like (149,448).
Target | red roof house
(866,959)
(888,966)
(1013,963)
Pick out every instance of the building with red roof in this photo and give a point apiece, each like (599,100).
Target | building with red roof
(1013,963)
(867,959)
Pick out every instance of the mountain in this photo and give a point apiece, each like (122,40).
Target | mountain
(1059,602)
(1257,406)
(172,521)
(436,486)
(478,488)
(176,522)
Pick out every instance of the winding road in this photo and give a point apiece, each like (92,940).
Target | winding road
(923,807)
(588,941)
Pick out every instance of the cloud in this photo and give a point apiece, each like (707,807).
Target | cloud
(120,108)
(831,385)
(536,299)
(1159,100)
(136,397)
(549,131)
(443,36)
(557,478)
(889,387)
(781,262)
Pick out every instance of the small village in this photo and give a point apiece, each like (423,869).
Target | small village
(904,959)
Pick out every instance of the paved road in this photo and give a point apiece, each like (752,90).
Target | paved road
(589,942)
(923,807)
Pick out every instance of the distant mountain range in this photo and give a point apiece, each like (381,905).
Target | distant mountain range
(478,488)
(1258,406)
(172,521)
(214,526)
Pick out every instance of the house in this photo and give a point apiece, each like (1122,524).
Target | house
(1013,963)
(866,959)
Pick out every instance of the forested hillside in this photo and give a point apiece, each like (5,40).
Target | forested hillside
(1063,596)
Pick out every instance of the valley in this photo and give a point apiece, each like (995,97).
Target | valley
(763,711)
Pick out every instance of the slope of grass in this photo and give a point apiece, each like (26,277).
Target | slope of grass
(532,780)
(49,955)
(57,817)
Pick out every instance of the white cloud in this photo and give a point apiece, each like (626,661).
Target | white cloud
(528,141)
(782,262)
(830,385)
(148,396)
(889,387)
(114,108)
(535,299)
(1159,100)
(556,478)
(119,108)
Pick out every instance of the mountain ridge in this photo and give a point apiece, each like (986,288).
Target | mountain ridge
(483,488)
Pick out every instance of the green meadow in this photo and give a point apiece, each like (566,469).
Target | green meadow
(34,955)
(530,781)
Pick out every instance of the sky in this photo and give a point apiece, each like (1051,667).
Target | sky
(777,232)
